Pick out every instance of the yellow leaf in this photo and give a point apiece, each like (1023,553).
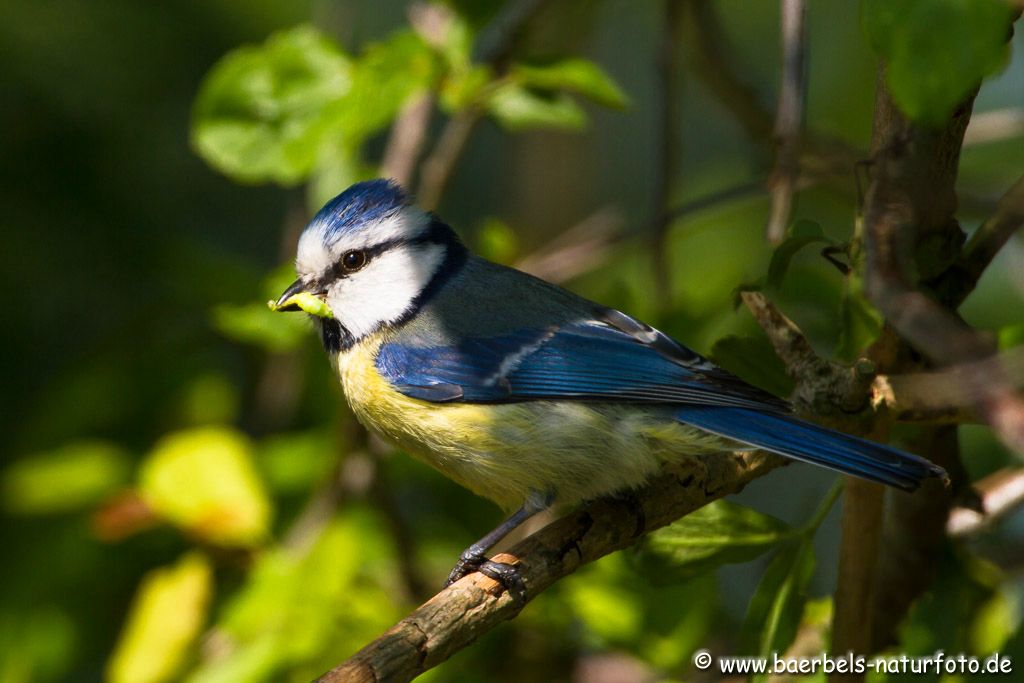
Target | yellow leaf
(165,618)
(204,481)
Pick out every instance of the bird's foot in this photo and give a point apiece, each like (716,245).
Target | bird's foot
(503,572)
(507,575)
(468,563)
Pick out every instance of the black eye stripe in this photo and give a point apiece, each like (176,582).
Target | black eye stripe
(435,233)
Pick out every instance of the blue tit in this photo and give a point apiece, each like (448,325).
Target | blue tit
(517,389)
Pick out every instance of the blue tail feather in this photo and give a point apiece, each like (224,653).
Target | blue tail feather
(794,438)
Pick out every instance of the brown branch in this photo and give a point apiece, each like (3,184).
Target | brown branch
(1001,493)
(408,135)
(704,38)
(503,37)
(912,199)
(858,557)
(580,249)
(587,245)
(463,612)
(984,244)
(949,395)
(995,126)
(789,118)
(709,55)
(438,166)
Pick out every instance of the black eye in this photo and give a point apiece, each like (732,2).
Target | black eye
(353,260)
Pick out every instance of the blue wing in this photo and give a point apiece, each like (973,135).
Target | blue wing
(586,360)
(622,360)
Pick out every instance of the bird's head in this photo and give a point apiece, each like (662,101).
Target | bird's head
(369,259)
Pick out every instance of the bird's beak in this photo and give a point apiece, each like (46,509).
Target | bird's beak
(298,298)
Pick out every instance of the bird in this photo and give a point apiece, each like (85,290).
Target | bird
(519,390)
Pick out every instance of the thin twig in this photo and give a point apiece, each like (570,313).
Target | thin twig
(438,166)
(408,135)
(789,118)
(1001,493)
(985,243)
(580,249)
(466,610)
(995,126)
(496,49)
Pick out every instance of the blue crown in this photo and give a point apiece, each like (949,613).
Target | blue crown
(364,202)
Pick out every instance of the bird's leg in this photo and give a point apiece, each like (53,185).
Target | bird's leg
(474,558)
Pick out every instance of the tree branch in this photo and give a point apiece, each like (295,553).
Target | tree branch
(496,49)
(789,118)
(984,244)
(466,610)
(1001,493)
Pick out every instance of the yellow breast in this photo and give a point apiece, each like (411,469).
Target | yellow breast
(505,452)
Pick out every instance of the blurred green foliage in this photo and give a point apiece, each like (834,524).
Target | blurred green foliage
(184,495)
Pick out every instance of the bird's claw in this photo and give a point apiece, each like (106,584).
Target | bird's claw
(504,573)
(507,575)
(467,564)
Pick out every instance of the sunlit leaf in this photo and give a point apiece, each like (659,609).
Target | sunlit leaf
(937,50)
(997,620)
(384,77)
(718,533)
(577,76)
(298,611)
(262,110)
(254,323)
(166,617)
(518,108)
(778,603)
(464,87)
(72,477)
(204,481)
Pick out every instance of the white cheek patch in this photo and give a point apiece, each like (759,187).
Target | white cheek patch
(384,290)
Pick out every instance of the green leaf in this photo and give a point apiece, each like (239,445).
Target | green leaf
(718,533)
(295,462)
(384,77)
(517,108)
(463,87)
(72,477)
(254,323)
(937,50)
(861,321)
(753,359)
(303,606)
(203,480)
(496,241)
(578,76)
(166,617)
(801,234)
(1010,336)
(775,610)
(262,111)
